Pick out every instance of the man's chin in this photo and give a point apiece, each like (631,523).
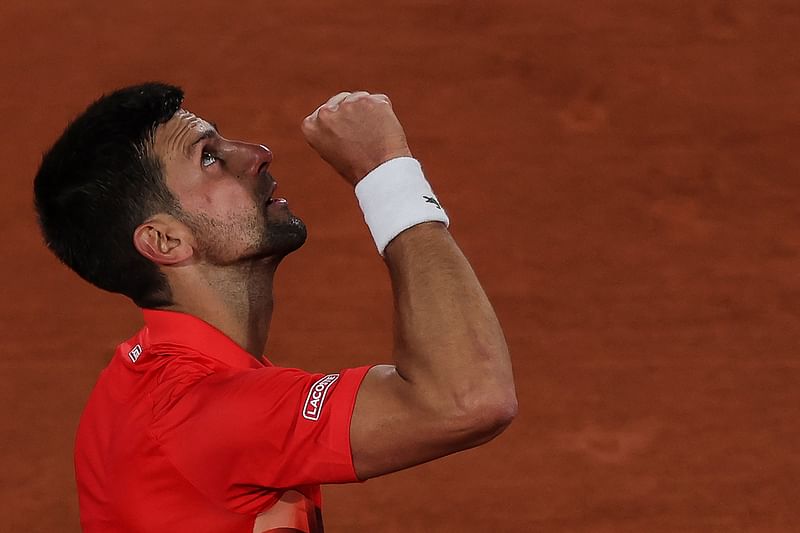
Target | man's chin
(287,237)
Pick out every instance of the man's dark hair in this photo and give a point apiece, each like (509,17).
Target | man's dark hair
(99,181)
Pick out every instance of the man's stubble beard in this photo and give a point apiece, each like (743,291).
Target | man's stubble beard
(251,238)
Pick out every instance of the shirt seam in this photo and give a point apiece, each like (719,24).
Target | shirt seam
(350,414)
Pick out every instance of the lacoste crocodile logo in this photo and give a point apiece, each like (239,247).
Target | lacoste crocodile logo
(432,200)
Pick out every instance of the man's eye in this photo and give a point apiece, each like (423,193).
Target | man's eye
(208,159)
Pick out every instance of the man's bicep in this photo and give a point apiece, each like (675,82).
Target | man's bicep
(393,427)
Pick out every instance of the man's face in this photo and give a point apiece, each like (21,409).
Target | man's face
(225,192)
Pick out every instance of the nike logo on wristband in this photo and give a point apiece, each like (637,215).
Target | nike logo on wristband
(432,200)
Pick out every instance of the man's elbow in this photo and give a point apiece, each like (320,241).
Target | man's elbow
(499,413)
(487,416)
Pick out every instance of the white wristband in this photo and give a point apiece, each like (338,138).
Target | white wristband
(396,196)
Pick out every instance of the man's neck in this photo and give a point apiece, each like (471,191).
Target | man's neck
(235,300)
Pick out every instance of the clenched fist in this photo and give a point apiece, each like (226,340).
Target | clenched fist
(356,132)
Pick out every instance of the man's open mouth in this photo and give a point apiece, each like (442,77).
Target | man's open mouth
(272,190)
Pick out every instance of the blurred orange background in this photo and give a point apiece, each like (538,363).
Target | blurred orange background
(623,175)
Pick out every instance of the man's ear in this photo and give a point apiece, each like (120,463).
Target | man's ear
(163,240)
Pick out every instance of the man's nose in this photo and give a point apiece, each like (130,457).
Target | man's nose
(252,159)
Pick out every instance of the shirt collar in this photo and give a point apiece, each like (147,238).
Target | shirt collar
(175,328)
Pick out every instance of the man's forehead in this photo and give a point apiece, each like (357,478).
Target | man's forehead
(186,120)
(179,131)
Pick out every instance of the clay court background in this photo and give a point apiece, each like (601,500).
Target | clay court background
(623,175)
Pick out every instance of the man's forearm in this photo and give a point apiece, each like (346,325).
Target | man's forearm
(448,341)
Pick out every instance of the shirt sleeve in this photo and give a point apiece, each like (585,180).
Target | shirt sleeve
(235,433)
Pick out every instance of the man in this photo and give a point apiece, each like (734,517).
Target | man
(190,428)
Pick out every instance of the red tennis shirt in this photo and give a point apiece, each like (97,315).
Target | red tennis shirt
(186,432)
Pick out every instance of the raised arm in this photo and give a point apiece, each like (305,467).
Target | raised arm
(451,385)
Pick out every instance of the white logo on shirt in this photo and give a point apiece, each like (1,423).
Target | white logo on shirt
(316,396)
(135,352)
